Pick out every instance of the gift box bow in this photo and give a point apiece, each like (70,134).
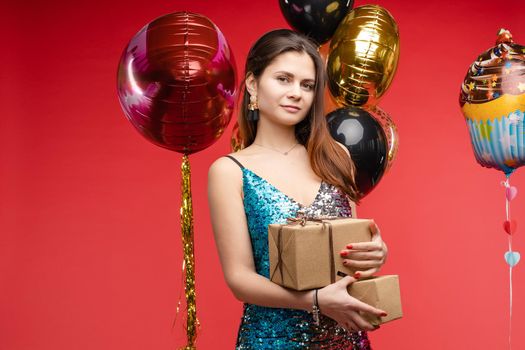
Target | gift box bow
(303,220)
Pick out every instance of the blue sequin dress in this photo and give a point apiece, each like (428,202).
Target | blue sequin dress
(276,328)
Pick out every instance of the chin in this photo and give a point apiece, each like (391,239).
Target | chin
(290,120)
(287,119)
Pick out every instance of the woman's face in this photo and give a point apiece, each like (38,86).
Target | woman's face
(286,88)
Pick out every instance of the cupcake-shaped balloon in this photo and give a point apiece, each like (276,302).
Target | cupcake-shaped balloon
(492,99)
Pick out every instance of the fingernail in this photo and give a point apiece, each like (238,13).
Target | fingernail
(357,275)
(344,262)
(344,253)
(349,246)
(384,314)
(376,327)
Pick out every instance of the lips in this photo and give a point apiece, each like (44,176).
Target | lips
(291,108)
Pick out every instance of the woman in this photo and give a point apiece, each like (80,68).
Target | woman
(289,162)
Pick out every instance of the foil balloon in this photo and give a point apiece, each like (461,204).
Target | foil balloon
(363,136)
(390,130)
(176,85)
(317,19)
(492,99)
(389,127)
(364,52)
(176,82)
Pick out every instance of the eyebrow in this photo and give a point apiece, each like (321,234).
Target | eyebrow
(291,75)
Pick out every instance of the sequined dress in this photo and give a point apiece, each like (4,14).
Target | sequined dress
(276,328)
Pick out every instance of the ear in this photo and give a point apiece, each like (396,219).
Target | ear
(251,84)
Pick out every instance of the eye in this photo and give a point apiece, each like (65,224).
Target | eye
(283,78)
(309,86)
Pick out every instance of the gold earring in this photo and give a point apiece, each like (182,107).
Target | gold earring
(253,109)
(252,106)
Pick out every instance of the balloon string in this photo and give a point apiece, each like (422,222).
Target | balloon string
(507,212)
(510,313)
(507,205)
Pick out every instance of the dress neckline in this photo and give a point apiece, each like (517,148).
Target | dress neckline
(284,194)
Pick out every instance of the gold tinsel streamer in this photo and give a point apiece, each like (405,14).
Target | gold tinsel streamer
(186,215)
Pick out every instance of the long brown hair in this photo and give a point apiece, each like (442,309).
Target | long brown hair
(328,160)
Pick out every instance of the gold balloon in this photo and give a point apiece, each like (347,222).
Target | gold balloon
(363,56)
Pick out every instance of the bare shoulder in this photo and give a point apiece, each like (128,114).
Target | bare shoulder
(225,192)
(223,170)
(226,167)
(223,165)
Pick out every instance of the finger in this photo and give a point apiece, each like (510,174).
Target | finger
(362,264)
(377,237)
(366,273)
(351,326)
(361,322)
(373,245)
(359,305)
(347,280)
(368,255)
(376,233)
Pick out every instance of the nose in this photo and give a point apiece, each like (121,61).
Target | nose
(295,91)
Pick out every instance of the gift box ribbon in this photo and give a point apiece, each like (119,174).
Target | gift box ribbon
(302,220)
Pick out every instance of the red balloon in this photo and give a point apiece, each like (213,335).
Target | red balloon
(177,82)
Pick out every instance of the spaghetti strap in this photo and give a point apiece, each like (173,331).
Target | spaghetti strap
(236,161)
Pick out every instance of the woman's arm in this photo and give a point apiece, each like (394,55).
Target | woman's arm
(235,253)
(234,246)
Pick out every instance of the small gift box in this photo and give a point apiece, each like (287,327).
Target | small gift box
(380,292)
(304,253)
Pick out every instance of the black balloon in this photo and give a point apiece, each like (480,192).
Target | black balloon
(364,137)
(316,18)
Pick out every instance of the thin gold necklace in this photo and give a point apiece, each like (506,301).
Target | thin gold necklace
(273,149)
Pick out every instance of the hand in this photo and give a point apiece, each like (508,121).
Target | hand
(366,257)
(335,302)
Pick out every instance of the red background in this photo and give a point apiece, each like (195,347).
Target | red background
(90,249)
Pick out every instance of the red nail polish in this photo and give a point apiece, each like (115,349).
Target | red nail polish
(349,246)
(357,275)
(343,253)
(384,314)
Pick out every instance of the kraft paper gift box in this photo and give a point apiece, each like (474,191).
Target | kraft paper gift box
(381,292)
(307,256)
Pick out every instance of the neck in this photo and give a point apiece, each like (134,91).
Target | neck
(276,136)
